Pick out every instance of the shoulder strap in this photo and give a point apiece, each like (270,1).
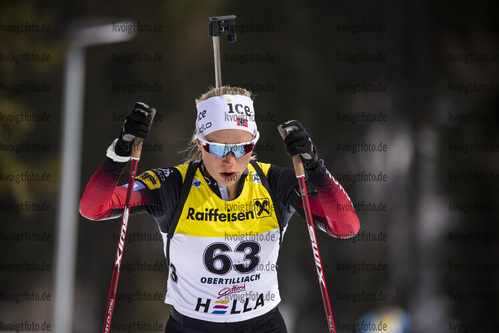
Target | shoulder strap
(186,188)
(266,184)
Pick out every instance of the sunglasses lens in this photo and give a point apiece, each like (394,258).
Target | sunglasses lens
(218,150)
(248,148)
(221,151)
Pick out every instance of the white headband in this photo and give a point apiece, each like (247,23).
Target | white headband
(225,112)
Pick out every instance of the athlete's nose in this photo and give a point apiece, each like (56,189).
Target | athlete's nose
(229,159)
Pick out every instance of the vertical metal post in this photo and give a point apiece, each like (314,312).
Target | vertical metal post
(69,188)
(216,25)
(88,33)
(216,58)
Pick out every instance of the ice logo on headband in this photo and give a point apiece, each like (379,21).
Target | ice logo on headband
(226,112)
(238,107)
(238,113)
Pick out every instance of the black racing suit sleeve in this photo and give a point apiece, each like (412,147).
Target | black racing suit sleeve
(155,192)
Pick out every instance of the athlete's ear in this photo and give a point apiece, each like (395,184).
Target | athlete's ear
(198,143)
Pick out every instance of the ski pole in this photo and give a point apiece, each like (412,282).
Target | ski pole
(136,150)
(300,175)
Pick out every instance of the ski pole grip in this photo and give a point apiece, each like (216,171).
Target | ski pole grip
(297,161)
(137,148)
(137,142)
(298,165)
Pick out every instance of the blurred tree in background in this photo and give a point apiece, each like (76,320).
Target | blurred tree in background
(434,230)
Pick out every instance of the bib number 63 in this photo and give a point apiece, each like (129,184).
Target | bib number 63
(217,260)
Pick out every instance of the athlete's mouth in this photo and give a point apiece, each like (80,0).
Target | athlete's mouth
(229,175)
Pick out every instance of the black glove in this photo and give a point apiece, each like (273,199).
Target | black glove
(137,125)
(297,141)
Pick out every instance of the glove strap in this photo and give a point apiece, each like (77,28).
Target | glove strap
(311,163)
(115,157)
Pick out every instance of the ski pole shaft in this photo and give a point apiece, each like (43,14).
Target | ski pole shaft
(300,175)
(136,151)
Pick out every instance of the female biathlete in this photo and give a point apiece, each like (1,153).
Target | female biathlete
(222,214)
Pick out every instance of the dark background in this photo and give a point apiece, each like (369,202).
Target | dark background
(439,226)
